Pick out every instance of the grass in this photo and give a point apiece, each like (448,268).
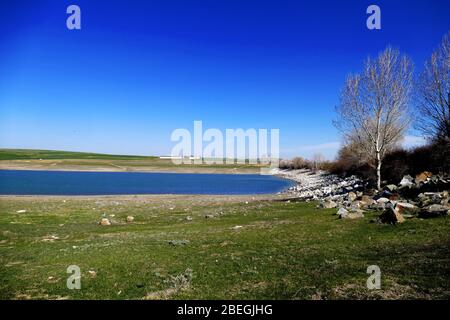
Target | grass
(33,154)
(284,250)
(20,159)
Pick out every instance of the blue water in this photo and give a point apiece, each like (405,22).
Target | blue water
(24,182)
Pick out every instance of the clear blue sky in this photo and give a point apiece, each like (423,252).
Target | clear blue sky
(139,69)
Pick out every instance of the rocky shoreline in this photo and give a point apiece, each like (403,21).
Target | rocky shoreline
(424,196)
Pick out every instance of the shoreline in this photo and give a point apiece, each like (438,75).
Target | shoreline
(155,197)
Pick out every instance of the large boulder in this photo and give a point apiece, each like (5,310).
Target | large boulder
(342,212)
(435,210)
(405,208)
(382,200)
(407,181)
(366,200)
(391,215)
(423,177)
(391,187)
(354,214)
(351,196)
(328,204)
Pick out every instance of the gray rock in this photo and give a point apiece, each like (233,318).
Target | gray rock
(392,216)
(178,242)
(435,210)
(391,187)
(407,181)
(328,204)
(342,212)
(382,200)
(405,208)
(354,214)
(351,196)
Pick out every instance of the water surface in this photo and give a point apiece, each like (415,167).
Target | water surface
(27,182)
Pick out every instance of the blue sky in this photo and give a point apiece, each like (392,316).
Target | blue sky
(137,70)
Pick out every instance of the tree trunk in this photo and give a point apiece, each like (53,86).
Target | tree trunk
(378,171)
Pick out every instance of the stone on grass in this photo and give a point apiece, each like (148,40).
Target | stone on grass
(178,242)
(435,210)
(105,222)
(342,212)
(130,219)
(406,208)
(392,216)
(353,214)
(328,204)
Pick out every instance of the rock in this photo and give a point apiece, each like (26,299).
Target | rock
(342,212)
(189,218)
(391,187)
(130,219)
(236,227)
(178,242)
(391,215)
(367,200)
(435,210)
(209,216)
(354,214)
(422,177)
(383,200)
(351,196)
(328,204)
(105,222)
(405,208)
(407,181)
(92,273)
(21,211)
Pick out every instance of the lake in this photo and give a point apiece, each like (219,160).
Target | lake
(27,182)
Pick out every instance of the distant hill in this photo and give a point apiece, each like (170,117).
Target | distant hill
(28,154)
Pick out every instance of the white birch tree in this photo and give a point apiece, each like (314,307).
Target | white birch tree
(373,110)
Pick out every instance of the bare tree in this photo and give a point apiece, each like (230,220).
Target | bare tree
(372,113)
(317,161)
(433,116)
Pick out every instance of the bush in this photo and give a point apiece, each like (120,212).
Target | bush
(434,157)
(350,162)
(296,163)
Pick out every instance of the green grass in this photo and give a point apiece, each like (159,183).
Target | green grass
(283,251)
(65,160)
(30,154)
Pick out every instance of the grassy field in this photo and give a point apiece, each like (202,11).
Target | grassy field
(247,248)
(28,154)
(24,159)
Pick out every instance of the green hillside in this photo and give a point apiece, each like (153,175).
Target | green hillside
(25,154)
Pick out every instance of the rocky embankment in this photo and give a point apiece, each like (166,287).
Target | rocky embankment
(424,196)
